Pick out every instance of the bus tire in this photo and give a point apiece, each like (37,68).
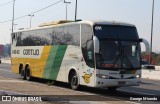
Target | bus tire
(22,75)
(22,72)
(20,68)
(74,81)
(28,73)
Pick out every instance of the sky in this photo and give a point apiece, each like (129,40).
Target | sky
(137,12)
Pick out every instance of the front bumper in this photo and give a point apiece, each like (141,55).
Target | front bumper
(100,82)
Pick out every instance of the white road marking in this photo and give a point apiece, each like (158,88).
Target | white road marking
(12,80)
(136,92)
(6,70)
(10,92)
(133,102)
(7,81)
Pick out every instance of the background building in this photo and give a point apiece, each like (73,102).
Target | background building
(5,50)
(1,50)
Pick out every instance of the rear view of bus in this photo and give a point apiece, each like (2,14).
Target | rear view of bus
(117,55)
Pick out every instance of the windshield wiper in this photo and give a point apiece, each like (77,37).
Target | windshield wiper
(130,63)
(122,56)
(119,54)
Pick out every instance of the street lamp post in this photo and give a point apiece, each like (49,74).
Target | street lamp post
(31,15)
(66,7)
(76,11)
(13,15)
(14,26)
(152,29)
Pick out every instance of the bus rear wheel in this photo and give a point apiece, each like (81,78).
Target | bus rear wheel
(74,81)
(28,74)
(22,72)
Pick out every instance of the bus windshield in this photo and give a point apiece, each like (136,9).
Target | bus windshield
(119,47)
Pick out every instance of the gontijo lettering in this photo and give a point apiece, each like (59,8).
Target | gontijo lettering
(31,52)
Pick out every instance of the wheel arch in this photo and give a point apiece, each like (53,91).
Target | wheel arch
(70,73)
(20,67)
(27,64)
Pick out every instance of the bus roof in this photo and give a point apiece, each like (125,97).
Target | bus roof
(63,23)
(104,22)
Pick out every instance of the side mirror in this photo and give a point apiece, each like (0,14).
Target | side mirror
(96,44)
(146,43)
(140,40)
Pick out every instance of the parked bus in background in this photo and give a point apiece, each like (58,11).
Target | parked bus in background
(90,53)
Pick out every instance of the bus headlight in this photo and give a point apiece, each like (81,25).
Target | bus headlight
(138,76)
(102,76)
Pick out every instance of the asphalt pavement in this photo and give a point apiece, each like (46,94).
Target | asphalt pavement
(12,83)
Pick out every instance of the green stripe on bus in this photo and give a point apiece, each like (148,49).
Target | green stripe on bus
(50,61)
(54,62)
(57,62)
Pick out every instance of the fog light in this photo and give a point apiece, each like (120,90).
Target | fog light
(138,76)
(102,76)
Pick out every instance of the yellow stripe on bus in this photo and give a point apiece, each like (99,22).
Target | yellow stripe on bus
(37,66)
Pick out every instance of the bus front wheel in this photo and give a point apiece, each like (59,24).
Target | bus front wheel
(74,81)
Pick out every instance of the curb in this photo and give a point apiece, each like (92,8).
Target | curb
(5,93)
(7,61)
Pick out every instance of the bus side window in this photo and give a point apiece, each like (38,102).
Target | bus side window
(90,53)
(90,50)
(87,44)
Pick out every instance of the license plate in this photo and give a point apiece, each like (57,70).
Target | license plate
(121,83)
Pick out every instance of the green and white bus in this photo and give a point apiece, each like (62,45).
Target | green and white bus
(90,53)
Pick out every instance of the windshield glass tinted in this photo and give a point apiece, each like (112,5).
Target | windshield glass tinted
(118,54)
(119,47)
(116,32)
